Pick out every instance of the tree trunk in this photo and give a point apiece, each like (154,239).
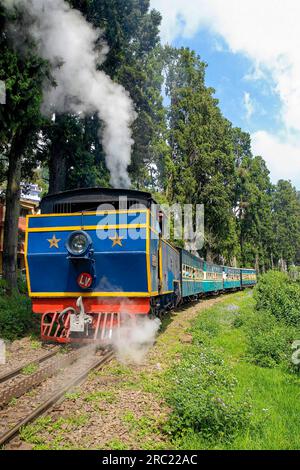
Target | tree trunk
(272,261)
(242,246)
(58,157)
(12,213)
(257,264)
(209,255)
(57,169)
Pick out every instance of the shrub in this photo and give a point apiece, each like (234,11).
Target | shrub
(16,317)
(279,296)
(202,397)
(269,341)
(22,284)
(238,322)
(3,286)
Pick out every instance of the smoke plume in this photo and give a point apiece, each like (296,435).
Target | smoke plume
(71,45)
(134,338)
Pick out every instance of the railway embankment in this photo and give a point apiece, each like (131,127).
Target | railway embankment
(220,376)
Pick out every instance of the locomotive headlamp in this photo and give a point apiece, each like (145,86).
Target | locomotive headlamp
(78,243)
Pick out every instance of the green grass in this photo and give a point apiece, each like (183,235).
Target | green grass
(238,402)
(98,396)
(274,393)
(35,343)
(145,429)
(13,402)
(116,444)
(276,406)
(72,395)
(33,433)
(30,369)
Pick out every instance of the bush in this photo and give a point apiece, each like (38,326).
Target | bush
(3,286)
(269,341)
(22,284)
(202,397)
(279,296)
(276,323)
(238,322)
(16,317)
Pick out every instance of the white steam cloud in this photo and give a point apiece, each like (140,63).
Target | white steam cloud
(134,338)
(64,37)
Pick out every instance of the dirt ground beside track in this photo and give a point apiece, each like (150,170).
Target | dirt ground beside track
(117,407)
(22,351)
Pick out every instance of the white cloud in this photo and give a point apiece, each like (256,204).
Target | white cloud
(282,156)
(265,31)
(218,46)
(249,105)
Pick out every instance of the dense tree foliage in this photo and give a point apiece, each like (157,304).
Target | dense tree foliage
(134,60)
(248,220)
(253,199)
(20,119)
(184,149)
(201,166)
(286,222)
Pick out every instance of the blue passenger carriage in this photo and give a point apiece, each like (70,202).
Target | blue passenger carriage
(248,277)
(213,277)
(232,278)
(192,274)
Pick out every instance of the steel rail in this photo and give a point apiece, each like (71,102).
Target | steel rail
(11,433)
(18,370)
(26,383)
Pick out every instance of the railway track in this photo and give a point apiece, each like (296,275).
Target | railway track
(50,385)
(15,383)
(39,360)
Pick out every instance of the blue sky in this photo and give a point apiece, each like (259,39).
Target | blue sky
(228,73)
(252,51)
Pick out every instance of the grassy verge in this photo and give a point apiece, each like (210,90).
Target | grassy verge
(249,406)
(206,385)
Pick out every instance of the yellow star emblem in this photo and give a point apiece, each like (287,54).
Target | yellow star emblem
(117,240)
(54,241)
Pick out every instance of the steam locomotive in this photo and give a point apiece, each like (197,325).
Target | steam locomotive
(95,257)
